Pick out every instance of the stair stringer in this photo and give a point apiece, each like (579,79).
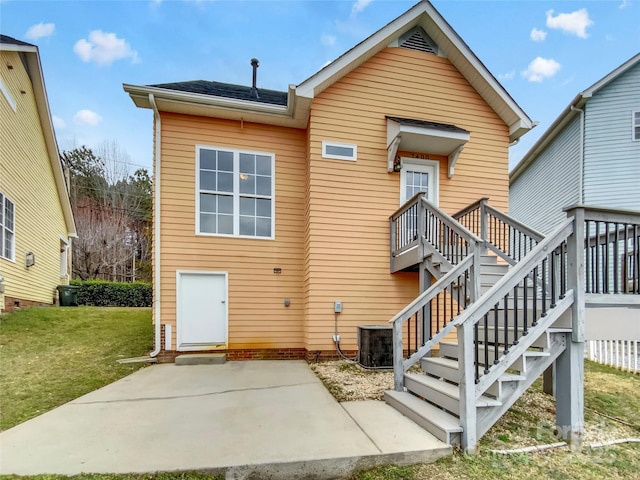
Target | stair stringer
(487,417)
(525,342)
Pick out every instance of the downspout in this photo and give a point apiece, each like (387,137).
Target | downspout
(581,165)
(156,230)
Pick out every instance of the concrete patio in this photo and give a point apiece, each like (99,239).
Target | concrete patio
(242,419)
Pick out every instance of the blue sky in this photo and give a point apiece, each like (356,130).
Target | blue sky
(544,53)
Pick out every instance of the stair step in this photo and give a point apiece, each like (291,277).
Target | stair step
(448,349)
(494,268)
(542,341)
(450,370)
(201,359)
(442,425)
(443,394)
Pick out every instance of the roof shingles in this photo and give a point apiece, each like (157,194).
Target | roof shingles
(227,90)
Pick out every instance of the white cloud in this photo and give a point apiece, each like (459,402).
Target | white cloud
(58,122)
(575,23)
(541,68)
(507,76)
(40,30)
(538,35)
(359,6)
(624,4)
(104,48)
(87,117)
(328,40)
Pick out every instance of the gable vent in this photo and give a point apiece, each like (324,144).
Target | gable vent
(420,42)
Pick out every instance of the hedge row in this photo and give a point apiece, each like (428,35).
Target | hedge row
(113,294)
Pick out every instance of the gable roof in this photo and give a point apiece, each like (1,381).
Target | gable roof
(567,115)
(31,57)
(295,112)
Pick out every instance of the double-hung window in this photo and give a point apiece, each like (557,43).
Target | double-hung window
(235,193)
(635,132)
(7,228)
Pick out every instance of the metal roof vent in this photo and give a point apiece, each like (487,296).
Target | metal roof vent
(417,39)
(254,90)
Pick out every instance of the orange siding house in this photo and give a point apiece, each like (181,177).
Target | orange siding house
(272,206)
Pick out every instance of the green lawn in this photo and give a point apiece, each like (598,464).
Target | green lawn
(51,355)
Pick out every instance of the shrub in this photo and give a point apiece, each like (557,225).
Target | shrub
(113,294)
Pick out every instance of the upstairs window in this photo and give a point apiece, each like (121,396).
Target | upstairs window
(235,193)
(7,228)
(636,126)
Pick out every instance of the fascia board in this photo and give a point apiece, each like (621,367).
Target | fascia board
(611,76)
(11,47)
(547,137)
(208,100)
(44,113)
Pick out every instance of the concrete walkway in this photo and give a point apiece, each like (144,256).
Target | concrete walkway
(255,419)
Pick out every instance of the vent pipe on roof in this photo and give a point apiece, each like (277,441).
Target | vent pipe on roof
(254,90)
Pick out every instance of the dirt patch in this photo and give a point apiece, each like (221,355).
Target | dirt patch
(530,420)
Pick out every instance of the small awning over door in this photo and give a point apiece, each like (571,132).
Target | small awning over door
(425,137)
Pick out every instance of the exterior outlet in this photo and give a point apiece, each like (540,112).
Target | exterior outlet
(336,338)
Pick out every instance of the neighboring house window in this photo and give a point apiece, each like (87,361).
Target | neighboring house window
(235,192)
(7,228)
(339,151)
(636,125)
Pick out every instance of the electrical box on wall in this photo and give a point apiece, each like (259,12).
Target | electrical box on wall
(337,307)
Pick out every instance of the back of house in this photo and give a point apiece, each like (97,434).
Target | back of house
(36,222)
(271,208)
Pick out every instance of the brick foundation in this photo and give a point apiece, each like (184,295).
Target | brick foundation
(310,356)
(13,303)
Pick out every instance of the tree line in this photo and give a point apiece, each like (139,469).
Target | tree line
(112,210)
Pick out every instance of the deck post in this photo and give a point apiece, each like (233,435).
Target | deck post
(484,234)
(468,414)
(569,382)
(398,357)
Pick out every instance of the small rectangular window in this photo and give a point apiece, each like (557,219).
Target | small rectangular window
(339,151)
(636,126)
(7,228)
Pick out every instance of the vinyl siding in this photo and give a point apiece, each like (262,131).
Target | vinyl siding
(549,184)
(27,179)
(257,315)
(347,243)
(612,158)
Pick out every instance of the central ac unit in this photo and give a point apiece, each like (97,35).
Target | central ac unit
(375,346)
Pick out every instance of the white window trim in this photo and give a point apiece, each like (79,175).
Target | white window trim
(427,166)
(634,125)
(7,94)
(2,229)
(236,192)
(328,143)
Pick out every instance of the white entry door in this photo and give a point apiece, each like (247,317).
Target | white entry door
(201,310)
(419,176)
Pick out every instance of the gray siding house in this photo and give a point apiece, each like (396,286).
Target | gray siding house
(590,155)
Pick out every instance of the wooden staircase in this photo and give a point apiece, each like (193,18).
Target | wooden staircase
(432,398)
(499,306)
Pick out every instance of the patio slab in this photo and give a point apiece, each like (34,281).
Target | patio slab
(242,419)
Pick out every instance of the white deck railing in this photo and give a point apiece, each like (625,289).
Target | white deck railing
(622,354)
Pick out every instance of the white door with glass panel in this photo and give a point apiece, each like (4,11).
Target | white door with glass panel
(416,178)
(419,177)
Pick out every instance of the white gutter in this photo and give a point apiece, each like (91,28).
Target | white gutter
(156,230)
(581,164)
